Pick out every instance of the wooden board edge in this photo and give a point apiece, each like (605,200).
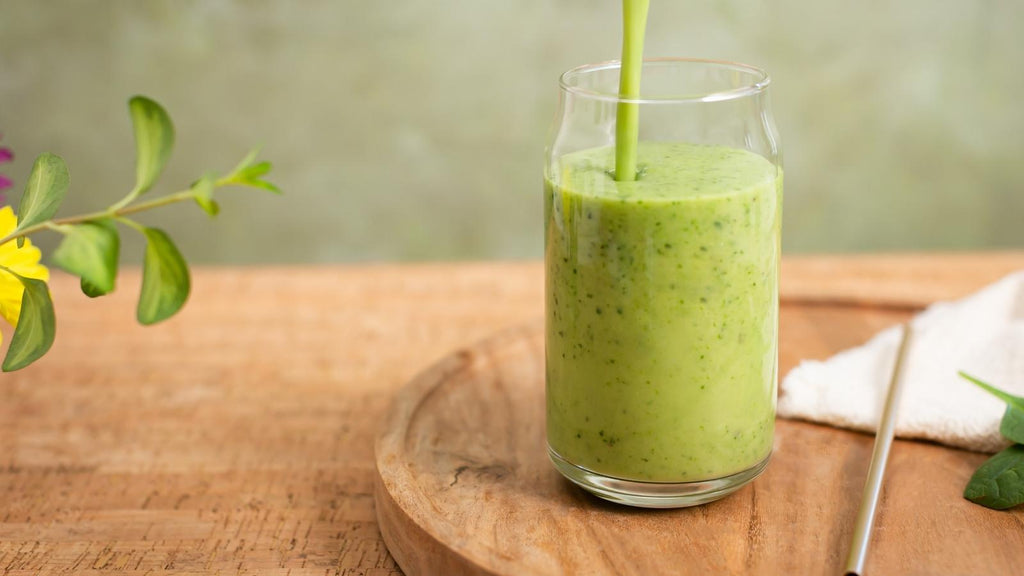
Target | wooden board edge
(417,551)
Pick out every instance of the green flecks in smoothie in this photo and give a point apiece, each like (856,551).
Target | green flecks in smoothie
(678,384)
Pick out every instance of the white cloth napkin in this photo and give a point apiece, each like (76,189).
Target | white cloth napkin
(982,334)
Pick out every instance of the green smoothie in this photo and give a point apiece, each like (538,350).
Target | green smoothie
(662,311)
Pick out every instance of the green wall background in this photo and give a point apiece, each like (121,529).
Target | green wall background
(411,130)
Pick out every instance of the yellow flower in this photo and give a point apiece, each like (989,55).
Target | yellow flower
(23,261)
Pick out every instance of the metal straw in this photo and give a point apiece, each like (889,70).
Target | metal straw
(879,458)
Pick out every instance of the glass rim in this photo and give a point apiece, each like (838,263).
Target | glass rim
(760,82)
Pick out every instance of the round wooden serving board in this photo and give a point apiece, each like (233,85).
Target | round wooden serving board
(464,485)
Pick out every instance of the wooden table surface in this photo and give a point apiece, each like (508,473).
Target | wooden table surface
(238,437)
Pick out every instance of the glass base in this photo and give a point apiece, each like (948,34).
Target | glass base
(655,494)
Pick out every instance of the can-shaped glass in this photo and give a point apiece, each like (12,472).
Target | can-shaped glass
(662,292)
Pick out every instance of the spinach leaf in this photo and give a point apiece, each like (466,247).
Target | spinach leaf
(999,482)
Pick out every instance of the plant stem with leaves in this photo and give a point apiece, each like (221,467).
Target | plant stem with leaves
(91,245)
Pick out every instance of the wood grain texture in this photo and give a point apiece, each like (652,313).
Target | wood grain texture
(893,280)
(466,488)
(238,437)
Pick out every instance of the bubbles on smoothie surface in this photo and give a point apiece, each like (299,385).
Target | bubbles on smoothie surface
(666,170)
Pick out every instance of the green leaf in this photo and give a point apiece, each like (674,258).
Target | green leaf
(1012,426)
(44,192)
(90,251)
(165,279)
(999,482)
(1010,399)
(249,172)
(154,140)
(248,161)
(256,170)
(90,290)
(263,184)
(37,325)
(203,189)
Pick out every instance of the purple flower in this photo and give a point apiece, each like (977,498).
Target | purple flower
(6,155)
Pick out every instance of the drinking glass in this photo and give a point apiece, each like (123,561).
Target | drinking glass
(662,292)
